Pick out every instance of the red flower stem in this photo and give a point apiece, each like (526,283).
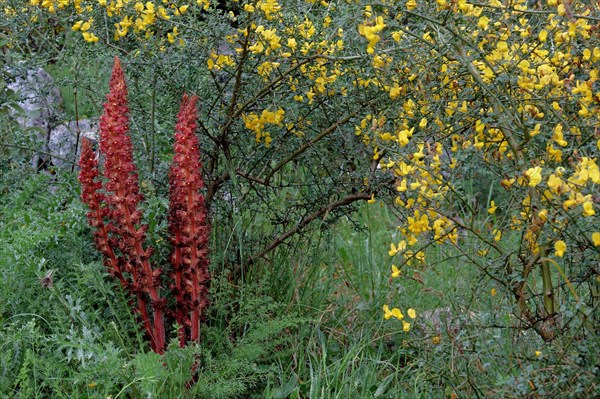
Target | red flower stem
(89,178)
(143,311)
(142,274)
(123,199)
(194,333)
(96,202)
(188,224)
(176,259)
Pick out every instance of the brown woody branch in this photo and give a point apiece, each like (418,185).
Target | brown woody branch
(305,222)
(309,144)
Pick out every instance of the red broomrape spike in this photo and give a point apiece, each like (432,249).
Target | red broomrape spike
(126,233)
(90,195)
(119,231)
(188,226)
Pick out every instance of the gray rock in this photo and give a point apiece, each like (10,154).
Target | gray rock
(438,320)
(37,105)
(64,138)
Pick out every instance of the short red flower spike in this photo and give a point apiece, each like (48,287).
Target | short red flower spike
(91,196)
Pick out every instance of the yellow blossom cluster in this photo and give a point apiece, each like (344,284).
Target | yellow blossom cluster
(270,8)
(217,62)
(267,41)
(84,28)
(54,5)
(371,29)
(517,90)
(257,123)
(397,313)
(130,16)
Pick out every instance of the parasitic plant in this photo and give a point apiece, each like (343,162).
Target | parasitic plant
(119,233)
(188,226)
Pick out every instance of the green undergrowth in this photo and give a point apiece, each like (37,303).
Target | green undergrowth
(66,330)
(308,323)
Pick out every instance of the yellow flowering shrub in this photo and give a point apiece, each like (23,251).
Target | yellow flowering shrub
(519,98)
(408,101)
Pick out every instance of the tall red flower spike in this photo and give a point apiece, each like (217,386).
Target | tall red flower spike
(188,226)
(122,199)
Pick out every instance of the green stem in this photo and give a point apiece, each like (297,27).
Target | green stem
(152,127)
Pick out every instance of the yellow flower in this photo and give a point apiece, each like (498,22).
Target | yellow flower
(404,136)
(483,23)
(394,250)
(493,292)
(411,5)
(181,10)
(411,313)
(492,208)
(569,203)
(419,223)
(372,200)
(266,68)
(560,248)
(507,183)
(257,47)
(596,239)
(558,136)
(396,273)
(89,37)
(554,154)
(86,25)
(554,183)
(269,7)
(371,33)
(479,126)
(436,339)
(292,44)
(402,186)
(395,312)
(502,47)
(538,353)
(405,326)
(588,209)
(397,35)
(497,234)
(171,36)
(395,91)
(535,175)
